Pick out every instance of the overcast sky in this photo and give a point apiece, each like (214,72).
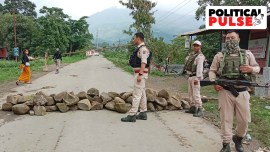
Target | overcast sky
(79,8)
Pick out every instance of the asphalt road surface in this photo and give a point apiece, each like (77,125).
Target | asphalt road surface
(101,131)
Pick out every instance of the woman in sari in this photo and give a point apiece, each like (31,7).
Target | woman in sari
(25,67)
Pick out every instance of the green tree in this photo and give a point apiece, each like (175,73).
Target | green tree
(141,12)
(200,13)
(54,28)
(26,28)
(24,7)
(80,38)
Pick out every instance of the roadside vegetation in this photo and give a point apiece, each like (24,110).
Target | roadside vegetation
(10,69)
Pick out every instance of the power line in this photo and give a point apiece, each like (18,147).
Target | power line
(174,11)
(170,11)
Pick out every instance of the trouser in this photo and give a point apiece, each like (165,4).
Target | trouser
(139,96)
(194,92)
(230,105)
(57,63)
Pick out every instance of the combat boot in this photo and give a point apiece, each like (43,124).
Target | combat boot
(142,116)
(238,143)
(226,147)
(129,118)
(198,113)
(191,110)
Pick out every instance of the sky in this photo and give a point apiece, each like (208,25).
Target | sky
(79,8)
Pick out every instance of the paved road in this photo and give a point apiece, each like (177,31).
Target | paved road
(101,131)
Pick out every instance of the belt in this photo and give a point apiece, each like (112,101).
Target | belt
(192,75)
(138,71)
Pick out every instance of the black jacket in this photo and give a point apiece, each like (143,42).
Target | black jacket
(57,55)
(25,59)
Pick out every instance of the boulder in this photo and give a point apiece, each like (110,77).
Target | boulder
(70,99)
(96,105)
(114,94)
(176,103)
(13,99)
(73,108)
(41,93)
(126,95)
(172,108)
(121,107)
(7,106)
(185,104)
(82,95)
(150,91)
(129,99)
(72,93)
(40,110)
(50,101)
(150,107)
(52,95)
(29,103)
(90,98)
(31,113)
(118,100)
(39,100)
(24,99)
(110,105)
(51,108)
(84,105)
(158,107)
(98,99)
(20,109)
(59,97)
(93,92)
(161,101)
(151,97)
(164,94)
(62,107)
(105,98)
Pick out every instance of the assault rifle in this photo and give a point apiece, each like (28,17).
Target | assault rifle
(229,84)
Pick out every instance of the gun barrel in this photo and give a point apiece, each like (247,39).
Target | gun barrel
(206,82)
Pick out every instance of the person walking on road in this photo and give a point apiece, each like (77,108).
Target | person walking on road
(25,68)
(140,61)
(194,69)
(233,63)
(57,57)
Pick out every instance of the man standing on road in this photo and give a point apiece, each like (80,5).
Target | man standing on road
(57,59)
(140,61)
(233,64)
(194,69)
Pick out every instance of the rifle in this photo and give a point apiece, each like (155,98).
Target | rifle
(229,84)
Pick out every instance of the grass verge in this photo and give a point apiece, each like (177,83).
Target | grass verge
(9,70)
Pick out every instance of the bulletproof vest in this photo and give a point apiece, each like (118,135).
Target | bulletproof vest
(135,61)
(230,66)
(190,66)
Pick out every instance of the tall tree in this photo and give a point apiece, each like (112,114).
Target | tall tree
(200,13)
(80,37)
(141,12)
(54,28)
(24,7)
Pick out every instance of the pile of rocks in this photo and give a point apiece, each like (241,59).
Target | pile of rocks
(40,103)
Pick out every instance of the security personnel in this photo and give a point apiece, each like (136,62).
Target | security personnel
(194,69)
(140,61)
(57,57)
(233,64)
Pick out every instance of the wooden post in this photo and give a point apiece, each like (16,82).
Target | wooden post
(46,58)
